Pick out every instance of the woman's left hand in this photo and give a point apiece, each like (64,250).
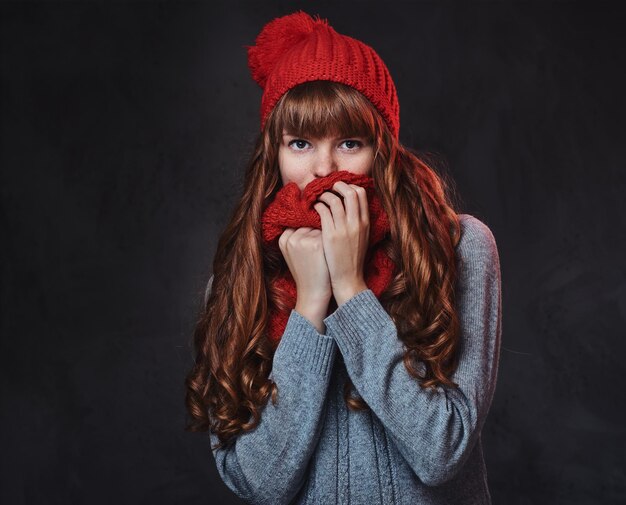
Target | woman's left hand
(345,237)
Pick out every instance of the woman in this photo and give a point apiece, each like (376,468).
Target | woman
(348,289)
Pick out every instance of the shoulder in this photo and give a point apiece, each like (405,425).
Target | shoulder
(477,242)
(479,279)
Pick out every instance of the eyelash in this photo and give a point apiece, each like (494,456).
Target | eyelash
(357,142)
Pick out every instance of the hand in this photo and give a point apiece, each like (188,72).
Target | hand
(303,251)
(345,238)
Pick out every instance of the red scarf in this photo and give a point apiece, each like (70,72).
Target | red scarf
(294,209)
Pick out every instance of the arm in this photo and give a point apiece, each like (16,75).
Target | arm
(269,463)
(435,431)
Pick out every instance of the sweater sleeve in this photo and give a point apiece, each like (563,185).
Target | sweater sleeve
(434,430)
(268,464)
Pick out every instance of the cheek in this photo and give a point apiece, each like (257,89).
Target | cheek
(291,170)
(366,164)
(283,167)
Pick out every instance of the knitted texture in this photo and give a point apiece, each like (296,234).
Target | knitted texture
(297,48)
(415,445)
(292,208)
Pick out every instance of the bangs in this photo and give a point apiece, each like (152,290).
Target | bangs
(320,108)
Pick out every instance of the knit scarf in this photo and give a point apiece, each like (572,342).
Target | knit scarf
(292,208)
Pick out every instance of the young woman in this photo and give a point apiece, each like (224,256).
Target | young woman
(349,343)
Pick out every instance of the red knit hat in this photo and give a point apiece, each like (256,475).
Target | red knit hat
(297,48)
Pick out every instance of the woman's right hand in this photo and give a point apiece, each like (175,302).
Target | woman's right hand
(303,251)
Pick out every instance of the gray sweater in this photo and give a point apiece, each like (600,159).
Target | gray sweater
(415,446)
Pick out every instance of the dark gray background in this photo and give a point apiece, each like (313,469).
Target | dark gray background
(125,129)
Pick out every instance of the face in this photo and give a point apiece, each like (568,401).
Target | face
(301,160)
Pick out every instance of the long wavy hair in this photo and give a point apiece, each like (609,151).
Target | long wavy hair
(228,384)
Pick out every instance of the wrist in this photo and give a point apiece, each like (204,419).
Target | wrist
(313,312)
(316,320)
(343,294)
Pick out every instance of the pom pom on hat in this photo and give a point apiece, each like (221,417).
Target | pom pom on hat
(276,38)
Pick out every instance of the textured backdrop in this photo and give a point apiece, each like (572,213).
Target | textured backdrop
(125,129)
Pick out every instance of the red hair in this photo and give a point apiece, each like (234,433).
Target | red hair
(228,384)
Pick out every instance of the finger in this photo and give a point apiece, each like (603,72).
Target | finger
(288,232)
(284,236)
(364,210)
(299,233)
(326,217)
(350,218)
(337,211)
(350,202)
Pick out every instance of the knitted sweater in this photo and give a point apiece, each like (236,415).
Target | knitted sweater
(414,446)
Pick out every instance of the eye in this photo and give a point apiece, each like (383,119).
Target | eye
(298,143)
(352,145)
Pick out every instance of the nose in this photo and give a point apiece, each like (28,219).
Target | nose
(325,162)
